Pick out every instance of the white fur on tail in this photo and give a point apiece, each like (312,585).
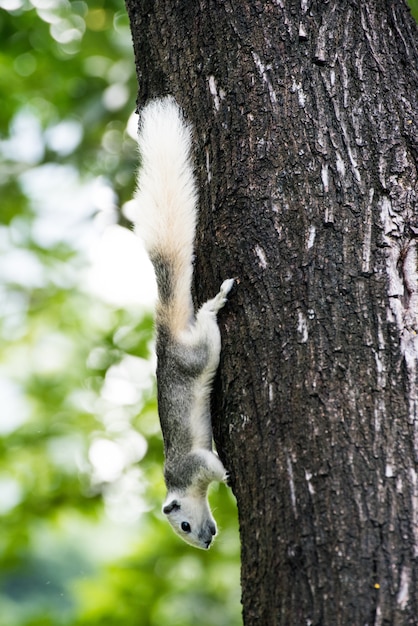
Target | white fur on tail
(166,198)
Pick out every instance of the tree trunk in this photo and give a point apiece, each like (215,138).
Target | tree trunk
(305,117)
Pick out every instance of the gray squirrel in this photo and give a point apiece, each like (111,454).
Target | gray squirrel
(188,345)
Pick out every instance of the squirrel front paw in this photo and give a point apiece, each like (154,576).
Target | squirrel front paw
(227,479)
(221,297)
(227,286)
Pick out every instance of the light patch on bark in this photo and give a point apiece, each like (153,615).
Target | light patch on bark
(367,238)
(402,273)
(410,275)
(346,130)
(325,177)
(340,164)
(329,214)
(308,476)
(379,418)
(311,236)
(380,370)
(271,393)
(217,95)
(291,484)
(354,164)
(265,77)
(244,419)
(297,88)
(388,471)
(208,168)
(261,256)
(302,328)
(403,593)
(413,479)
(380,412)
(302,31)
(278,228)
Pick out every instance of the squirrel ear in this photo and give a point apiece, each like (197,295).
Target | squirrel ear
(171,506)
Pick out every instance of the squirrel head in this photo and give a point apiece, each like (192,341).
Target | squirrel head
(191,519)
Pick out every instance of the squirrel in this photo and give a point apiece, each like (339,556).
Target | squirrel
(188,345)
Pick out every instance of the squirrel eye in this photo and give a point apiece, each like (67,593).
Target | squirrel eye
(185,526)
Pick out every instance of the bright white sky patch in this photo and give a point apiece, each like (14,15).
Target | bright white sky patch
(107,459)
(64,137)
(14,407)
(26,142)
(63,204)
(22,267)
(121,272)
(115,96)
(10,494)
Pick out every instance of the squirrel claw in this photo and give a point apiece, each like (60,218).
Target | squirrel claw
(227,479)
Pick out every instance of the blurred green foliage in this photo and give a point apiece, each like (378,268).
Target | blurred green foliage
(82,540)
(413,5)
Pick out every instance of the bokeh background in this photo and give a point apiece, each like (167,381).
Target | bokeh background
(82,539)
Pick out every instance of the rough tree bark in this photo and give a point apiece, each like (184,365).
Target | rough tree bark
(305,117)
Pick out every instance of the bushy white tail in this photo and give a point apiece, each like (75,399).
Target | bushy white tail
(166,206)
